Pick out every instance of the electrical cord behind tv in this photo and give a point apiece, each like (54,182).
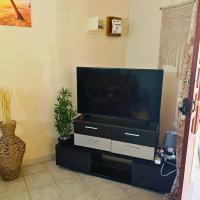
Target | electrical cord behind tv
(162,168)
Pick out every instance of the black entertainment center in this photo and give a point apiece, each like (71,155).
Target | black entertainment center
(125,169)
(116,135)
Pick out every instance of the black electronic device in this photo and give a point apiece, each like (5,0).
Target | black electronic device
(169,144)
(125,93)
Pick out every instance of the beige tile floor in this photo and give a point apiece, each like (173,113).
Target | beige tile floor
(46,181)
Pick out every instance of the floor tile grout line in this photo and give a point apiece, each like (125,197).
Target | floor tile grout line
(48,171)
(45,166)
(32,173)
(54,181)
(89,188)
(59,186)
(26,185)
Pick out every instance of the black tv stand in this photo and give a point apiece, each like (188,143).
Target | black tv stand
(117,149)
(125,169)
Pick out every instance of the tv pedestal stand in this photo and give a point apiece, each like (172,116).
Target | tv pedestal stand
(117,149)
(125,169)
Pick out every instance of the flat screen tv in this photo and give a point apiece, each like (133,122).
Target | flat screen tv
(126,93)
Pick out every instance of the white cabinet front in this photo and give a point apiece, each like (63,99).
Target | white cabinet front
(133,150)
(92,142)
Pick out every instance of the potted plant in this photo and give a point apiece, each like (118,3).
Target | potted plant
(63,115)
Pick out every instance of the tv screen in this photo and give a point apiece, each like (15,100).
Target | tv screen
(125,93)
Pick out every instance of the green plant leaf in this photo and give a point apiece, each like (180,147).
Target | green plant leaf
(64,113)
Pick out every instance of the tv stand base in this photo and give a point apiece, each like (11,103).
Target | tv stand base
(137,172)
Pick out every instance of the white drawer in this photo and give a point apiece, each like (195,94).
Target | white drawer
(92,142)
(133,150)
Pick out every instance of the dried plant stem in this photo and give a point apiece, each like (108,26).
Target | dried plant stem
(5,98)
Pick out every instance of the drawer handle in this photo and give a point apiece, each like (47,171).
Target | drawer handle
(90,127)
(93,140)
(130,147)
(131,134)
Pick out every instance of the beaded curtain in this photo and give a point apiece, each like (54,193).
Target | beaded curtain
(181,58)
(174,32)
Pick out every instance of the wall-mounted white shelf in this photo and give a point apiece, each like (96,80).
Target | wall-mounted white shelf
(95,24)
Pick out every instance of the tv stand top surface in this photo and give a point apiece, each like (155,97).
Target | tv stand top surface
(115,121)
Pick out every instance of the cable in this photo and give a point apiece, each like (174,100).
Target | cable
(170,163)
(161,171)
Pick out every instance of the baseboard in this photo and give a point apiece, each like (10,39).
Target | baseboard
(38,160)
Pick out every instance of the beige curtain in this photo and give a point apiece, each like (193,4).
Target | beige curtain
(185,73)
(174,32)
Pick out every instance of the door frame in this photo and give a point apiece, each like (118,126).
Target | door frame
(190,96)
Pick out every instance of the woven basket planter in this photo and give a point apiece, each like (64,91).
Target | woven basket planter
(12,150)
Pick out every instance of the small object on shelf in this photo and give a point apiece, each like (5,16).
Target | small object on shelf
(95,24)
(169,145)
(157,160)
(114,26)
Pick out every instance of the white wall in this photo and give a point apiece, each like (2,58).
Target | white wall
(36,62)
(144,34)
(29,66)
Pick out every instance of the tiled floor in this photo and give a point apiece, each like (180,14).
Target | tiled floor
(46,181)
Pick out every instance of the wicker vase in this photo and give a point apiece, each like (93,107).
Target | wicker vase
(12,150)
